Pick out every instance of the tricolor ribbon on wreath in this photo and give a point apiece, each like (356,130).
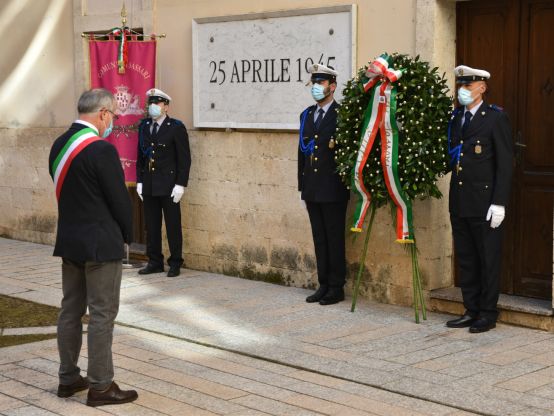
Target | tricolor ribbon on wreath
(380,117)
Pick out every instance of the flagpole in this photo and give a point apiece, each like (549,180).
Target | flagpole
(123,15)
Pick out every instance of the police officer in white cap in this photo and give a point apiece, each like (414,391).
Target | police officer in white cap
(321,188)
(163,166)
(480,150)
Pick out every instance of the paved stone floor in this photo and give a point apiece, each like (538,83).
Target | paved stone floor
(204,344)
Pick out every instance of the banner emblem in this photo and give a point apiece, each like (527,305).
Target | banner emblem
(128,103)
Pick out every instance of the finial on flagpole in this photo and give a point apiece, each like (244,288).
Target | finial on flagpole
(123,15)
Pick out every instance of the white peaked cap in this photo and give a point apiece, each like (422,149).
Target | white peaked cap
(154,92)
(465,74)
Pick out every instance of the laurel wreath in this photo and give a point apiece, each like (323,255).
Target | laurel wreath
(422,113)
(423,108)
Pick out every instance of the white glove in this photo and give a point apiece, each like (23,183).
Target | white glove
(177,193)
(139,191)
(301,200)
(496,215)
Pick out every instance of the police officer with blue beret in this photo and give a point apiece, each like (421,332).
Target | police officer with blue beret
(321,188)
(480,149)
(163,166)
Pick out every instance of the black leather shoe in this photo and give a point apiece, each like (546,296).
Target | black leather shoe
(68,390)
(482,325)
(333,295)
(112,395)
(149,269)
(174,271)
(461,322)
(317,295)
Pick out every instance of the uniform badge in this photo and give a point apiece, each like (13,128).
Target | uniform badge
(331,144)
(478,149)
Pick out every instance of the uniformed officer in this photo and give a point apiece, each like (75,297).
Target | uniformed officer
(325,195)
(163,166)
(480,148)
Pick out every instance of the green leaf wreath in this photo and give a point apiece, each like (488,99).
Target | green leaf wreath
(423,108)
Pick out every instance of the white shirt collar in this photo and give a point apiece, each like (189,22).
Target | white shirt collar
(325,108)
(160,120)
(473,111)
(86,123)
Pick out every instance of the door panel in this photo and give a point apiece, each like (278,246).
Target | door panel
(535,253)
(487,38)
(538,120)
(514,41)
(138,242)
(534,176)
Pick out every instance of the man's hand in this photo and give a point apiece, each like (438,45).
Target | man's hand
(496,215)
(139,191)
(177,193)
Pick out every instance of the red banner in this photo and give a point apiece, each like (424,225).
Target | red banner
(129,90)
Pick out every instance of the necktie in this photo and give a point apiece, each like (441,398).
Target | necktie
(467,120)
(155,130)
(319,118)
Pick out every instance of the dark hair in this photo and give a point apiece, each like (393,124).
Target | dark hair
(487,89)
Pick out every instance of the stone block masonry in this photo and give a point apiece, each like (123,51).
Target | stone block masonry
(242,213)
(28,209)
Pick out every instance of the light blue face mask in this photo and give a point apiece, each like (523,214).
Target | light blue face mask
(108,131)
(154,110)
(464,96)
(318,92)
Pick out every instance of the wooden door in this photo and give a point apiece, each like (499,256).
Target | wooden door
(138,244)
(514,41)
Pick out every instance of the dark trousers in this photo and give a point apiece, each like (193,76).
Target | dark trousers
(95,285)
(153,208)
(328,222)
(478,251)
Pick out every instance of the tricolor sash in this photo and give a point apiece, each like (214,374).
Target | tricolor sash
(380,117)
(75,145)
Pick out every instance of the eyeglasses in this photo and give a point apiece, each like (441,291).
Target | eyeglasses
(115,116)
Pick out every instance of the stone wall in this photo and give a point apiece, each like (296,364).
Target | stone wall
(241,211)
(242,216)
(28,209)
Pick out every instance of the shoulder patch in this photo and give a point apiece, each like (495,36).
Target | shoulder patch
(496,107)
(177,121)
(455,112)
(308,110)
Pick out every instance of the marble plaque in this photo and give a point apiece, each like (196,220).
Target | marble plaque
(250,71)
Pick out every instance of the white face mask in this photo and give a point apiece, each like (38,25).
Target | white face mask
(318,92)
(108,130)
(464,96)
(154,111)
